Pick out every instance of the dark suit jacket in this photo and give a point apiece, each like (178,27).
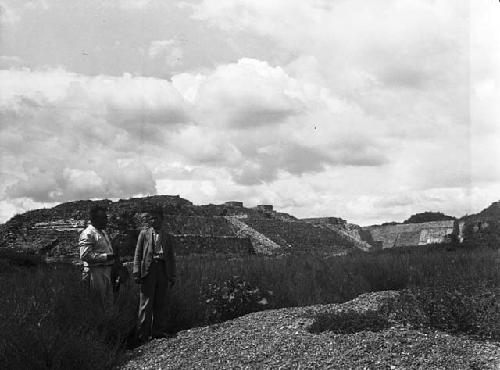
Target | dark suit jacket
(143,255)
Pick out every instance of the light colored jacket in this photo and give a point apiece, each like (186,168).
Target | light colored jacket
(94,247)
(143,255)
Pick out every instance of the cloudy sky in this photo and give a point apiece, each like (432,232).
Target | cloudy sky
(367,110)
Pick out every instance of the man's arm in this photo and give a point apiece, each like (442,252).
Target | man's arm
(87,253)
(138,254)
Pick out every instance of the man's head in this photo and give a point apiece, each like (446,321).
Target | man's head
(98,217)
(155,218)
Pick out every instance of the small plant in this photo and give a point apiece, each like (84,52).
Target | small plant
(232,298)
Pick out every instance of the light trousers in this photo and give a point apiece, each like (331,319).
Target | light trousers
(99,278)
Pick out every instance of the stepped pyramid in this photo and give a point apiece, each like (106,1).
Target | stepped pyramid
(224,229)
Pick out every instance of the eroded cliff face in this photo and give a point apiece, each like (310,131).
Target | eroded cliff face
(414,234)
(481,229)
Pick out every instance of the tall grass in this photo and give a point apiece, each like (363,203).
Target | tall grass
(306,280)
(48,321)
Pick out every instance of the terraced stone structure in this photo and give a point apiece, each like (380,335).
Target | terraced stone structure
(352,232)
(225,229)
(302,237)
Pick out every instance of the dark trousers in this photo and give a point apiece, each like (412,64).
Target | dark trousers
(153,294)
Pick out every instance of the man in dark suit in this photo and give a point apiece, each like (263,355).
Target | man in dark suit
(154,270)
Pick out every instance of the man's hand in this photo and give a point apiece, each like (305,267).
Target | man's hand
(137,278)
(171,282)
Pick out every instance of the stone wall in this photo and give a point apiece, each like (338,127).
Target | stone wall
(54,243)
(199,225)
(326,221)
(234,204)
(212,245)
(49,242)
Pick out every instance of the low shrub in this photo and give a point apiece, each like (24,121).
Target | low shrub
(468,309)
(232,298)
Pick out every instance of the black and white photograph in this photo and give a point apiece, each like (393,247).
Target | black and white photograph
(250,184)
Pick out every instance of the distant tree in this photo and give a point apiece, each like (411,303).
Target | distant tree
(391,223)
(428,217)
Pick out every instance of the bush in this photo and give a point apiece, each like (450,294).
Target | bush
(232,298)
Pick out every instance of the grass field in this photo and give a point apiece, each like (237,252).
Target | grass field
(48,321)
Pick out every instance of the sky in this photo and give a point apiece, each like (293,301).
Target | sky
(366,110)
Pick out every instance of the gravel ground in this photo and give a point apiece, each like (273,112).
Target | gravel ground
(279,339)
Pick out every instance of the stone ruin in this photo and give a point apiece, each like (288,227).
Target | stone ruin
(227,229)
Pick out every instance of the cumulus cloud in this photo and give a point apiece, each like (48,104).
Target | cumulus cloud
(66,136)
(256,120)
(249,93)
(248,118)
(402,72)
(104,180)
(383,55)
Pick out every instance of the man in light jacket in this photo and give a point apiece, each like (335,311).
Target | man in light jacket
(97,255)
(154,270)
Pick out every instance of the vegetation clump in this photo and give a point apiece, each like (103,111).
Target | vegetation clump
(472,309)
(232,298)
(427,217)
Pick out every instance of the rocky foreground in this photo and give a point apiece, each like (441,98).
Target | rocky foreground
(281,339)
